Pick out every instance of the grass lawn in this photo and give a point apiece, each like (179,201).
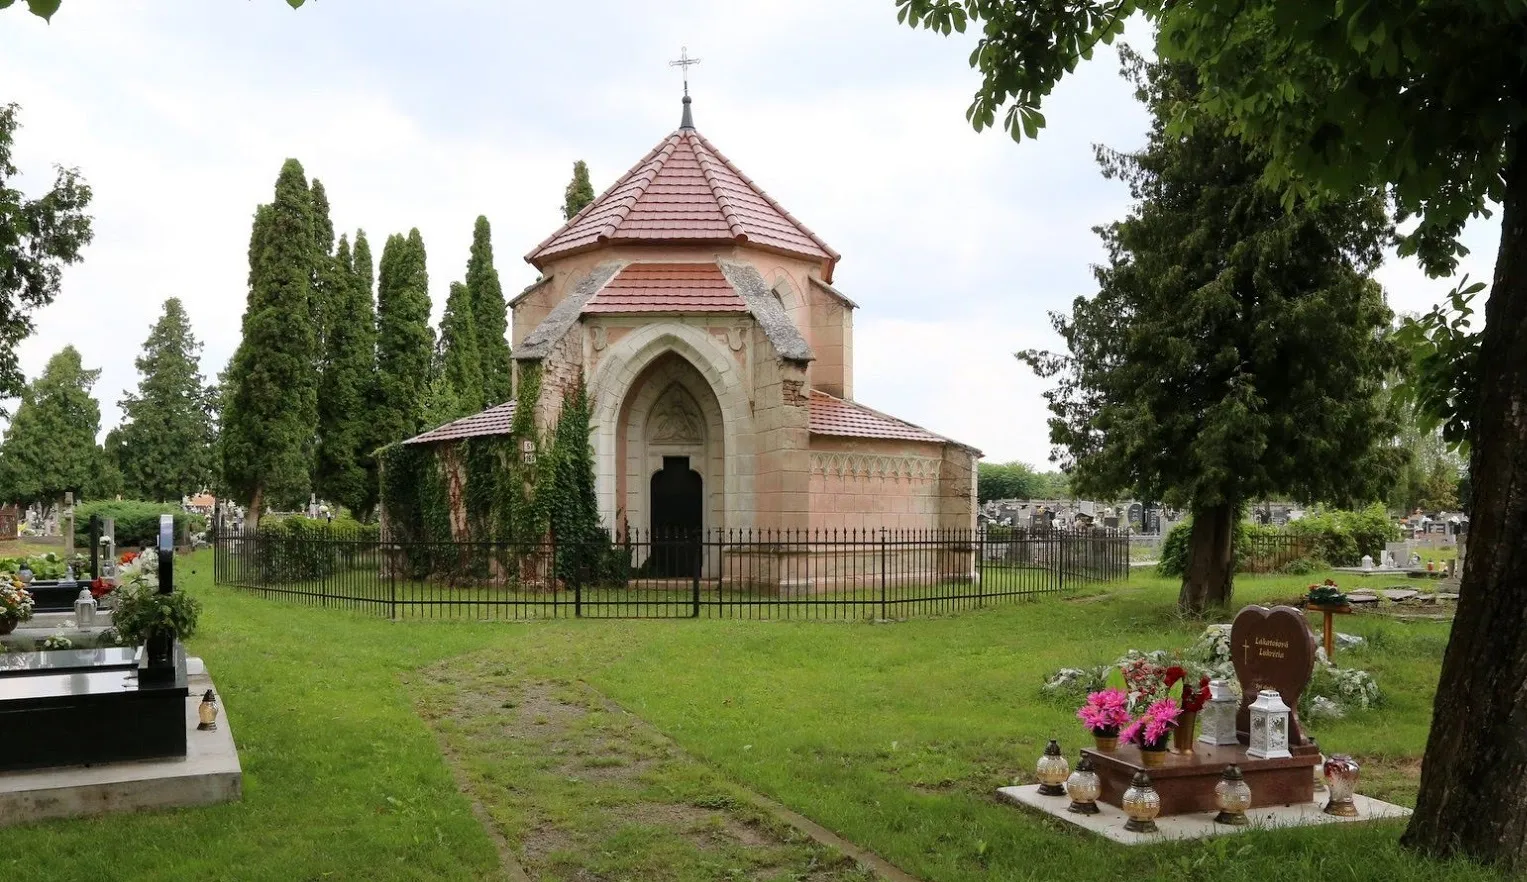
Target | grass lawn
(614,750)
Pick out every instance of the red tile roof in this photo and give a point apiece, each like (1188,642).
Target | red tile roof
(668,287)
(830,415)
(684,191)
(496,420)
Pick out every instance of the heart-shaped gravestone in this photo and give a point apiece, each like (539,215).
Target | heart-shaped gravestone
(1272,649)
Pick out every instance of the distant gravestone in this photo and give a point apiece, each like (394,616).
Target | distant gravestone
(9,522)
(1272,649)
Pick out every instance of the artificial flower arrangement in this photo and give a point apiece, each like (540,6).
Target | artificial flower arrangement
(1195,692)
(1105,712)
(16,602)
(99,588)
(1151,729)
(1326,594)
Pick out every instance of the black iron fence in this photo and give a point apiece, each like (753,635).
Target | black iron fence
(884,574)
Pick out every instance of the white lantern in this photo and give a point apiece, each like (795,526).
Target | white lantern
(1269,726)
(1216,721)
(84,609)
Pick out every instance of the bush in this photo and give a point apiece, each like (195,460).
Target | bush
(1174,548)
(1342,537)
(299,548)
(1301,566)
(137,521)
(140,609)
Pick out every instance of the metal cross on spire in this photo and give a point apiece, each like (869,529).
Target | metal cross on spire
(683,65)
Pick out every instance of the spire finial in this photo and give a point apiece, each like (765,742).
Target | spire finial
(683,63)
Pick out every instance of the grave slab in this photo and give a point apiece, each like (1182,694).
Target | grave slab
(207,775)
(1109,821)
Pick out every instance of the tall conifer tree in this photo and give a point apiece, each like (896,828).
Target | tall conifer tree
(271,405)
(1235,349)
(579,191)
(344,472)
(50,445)
(491,318)
(166,436)
(404,341)
(461,364)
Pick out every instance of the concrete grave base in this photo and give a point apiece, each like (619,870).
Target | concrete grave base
(1109,821)
(208,774)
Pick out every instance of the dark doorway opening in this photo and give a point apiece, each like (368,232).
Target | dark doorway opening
(677,502)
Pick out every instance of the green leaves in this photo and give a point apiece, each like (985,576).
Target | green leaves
(1443,385)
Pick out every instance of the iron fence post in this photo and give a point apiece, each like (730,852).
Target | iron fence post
(699,567)
(884,617)
(391,562)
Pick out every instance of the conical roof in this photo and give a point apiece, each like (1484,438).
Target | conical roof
(684,192)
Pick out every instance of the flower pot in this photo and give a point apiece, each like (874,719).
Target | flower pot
(1107,743)
(1182,736)
(1153,757)
(8,624)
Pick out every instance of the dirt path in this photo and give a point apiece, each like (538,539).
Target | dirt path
(573,787)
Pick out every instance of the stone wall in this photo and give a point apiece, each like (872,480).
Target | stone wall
(870,484)
(781,440)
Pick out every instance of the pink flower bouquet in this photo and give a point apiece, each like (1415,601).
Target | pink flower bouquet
(1151,729)
(1105,712)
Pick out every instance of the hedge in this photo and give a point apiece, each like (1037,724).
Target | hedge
(1334,537)
(137,521)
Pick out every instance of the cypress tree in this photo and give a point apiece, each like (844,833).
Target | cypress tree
(164,449)
(490,316)
(404,341)
(573,506)
(271,407)
(344,471)
(579,191)
(461,364)
(327,281)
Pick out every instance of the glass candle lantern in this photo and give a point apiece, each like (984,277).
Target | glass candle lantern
(1232,797)
(1216,722)
(1052,770)
(206,712)
(1084,787)
(1269,726)
(1142,803)
(84,609)
(1341,780)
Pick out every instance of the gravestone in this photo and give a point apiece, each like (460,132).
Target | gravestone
(1272,649)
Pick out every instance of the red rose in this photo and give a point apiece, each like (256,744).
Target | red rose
(1173,674)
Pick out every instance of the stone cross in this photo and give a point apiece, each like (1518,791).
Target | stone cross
(1272,649)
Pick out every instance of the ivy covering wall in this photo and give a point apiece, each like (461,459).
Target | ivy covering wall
(510,508)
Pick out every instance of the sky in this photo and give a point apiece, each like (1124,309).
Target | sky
(956,244)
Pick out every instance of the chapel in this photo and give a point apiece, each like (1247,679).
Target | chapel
(718,356)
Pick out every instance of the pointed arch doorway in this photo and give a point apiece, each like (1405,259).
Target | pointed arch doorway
(677,495)
(671,439)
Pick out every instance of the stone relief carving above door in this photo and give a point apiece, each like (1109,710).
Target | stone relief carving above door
(675,419)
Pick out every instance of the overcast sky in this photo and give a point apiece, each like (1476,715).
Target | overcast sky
(179,113)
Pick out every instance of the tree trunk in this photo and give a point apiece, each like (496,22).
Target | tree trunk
(1207,579)
(252,519)
(1473,798)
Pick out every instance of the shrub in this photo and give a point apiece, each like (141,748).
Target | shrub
(137,522)
(140,608)
(1301,566)
(1174,548)
(299,548)
(1342,537)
